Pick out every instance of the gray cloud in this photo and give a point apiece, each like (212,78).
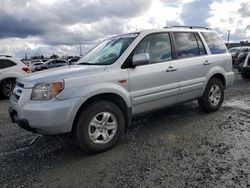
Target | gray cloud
(196,12)
(30,18)
(12,27)
(245,10)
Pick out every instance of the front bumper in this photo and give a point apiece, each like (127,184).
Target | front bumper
(23,123)
(46,117)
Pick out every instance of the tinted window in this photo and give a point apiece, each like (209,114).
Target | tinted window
(186,44)
(157,46)
(4,63)
(214,42)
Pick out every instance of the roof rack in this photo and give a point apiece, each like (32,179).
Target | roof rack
(190,27)
(5,56)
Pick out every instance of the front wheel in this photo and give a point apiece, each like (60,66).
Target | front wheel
(213,96)
(100,126)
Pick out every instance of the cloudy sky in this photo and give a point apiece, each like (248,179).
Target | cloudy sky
(36,27)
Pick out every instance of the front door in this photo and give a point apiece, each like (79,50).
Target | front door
(154,85)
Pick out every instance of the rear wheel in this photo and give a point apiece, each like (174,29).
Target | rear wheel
(6,88)
(99,127)
(213,96)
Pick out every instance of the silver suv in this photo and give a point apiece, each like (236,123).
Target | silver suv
(122,77)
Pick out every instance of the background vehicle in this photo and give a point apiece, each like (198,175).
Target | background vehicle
(236,51)
(53,63)
(33,64)
(73,60)
(10,69)
(244,66)
(122,77)
(240,60)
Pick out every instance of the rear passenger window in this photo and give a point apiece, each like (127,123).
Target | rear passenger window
(214,42)
(157,46)
(4,63)
(186,44)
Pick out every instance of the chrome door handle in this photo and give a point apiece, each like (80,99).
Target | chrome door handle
(171,69)
(207,63)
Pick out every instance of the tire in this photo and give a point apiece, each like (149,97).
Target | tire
(245,76)
(99,127)
(6,88)
(213,96)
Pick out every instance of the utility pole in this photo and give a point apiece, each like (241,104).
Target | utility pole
(81,50)
(228,36)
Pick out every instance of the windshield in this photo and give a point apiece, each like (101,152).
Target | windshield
(108,51)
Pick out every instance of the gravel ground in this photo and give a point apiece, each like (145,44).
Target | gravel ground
(176,147)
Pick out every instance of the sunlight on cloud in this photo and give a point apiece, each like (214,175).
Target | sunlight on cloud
(155,17)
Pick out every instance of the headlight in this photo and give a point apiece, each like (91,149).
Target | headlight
(47,91)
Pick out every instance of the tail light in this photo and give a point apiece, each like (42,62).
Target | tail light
(27,69)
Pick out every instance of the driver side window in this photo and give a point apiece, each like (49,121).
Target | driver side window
(158,47)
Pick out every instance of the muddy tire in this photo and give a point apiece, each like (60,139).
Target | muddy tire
(6,87)
(99,127)
(213,96)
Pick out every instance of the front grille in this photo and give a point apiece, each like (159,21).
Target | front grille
(17,91)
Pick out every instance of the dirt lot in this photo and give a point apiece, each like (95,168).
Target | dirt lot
(177,147)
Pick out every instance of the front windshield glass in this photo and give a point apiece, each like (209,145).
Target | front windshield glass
(108,51)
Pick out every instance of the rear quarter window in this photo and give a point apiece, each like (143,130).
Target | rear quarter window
(4,63)
(214,42)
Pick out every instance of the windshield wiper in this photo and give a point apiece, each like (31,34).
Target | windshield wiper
(85,63)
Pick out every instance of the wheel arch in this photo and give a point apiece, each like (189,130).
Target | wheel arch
(111,97)
(217,75)
(8,78)
(221,77)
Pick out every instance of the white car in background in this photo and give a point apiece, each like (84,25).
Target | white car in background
(10,69)
(34,63)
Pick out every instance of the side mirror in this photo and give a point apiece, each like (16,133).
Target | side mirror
(140,59)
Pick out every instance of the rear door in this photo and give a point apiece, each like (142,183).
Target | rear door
(154,85)
(191,57)
(219,58)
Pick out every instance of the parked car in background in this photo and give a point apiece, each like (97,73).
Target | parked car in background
(53,63)
(244,66)
(10,69)
(236,51)
(240,60)
(124,76)
(34,63)
(73,60)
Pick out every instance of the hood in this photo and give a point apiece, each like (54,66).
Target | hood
(60,73)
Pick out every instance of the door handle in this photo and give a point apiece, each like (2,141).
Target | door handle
(171,69)
(207,63)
